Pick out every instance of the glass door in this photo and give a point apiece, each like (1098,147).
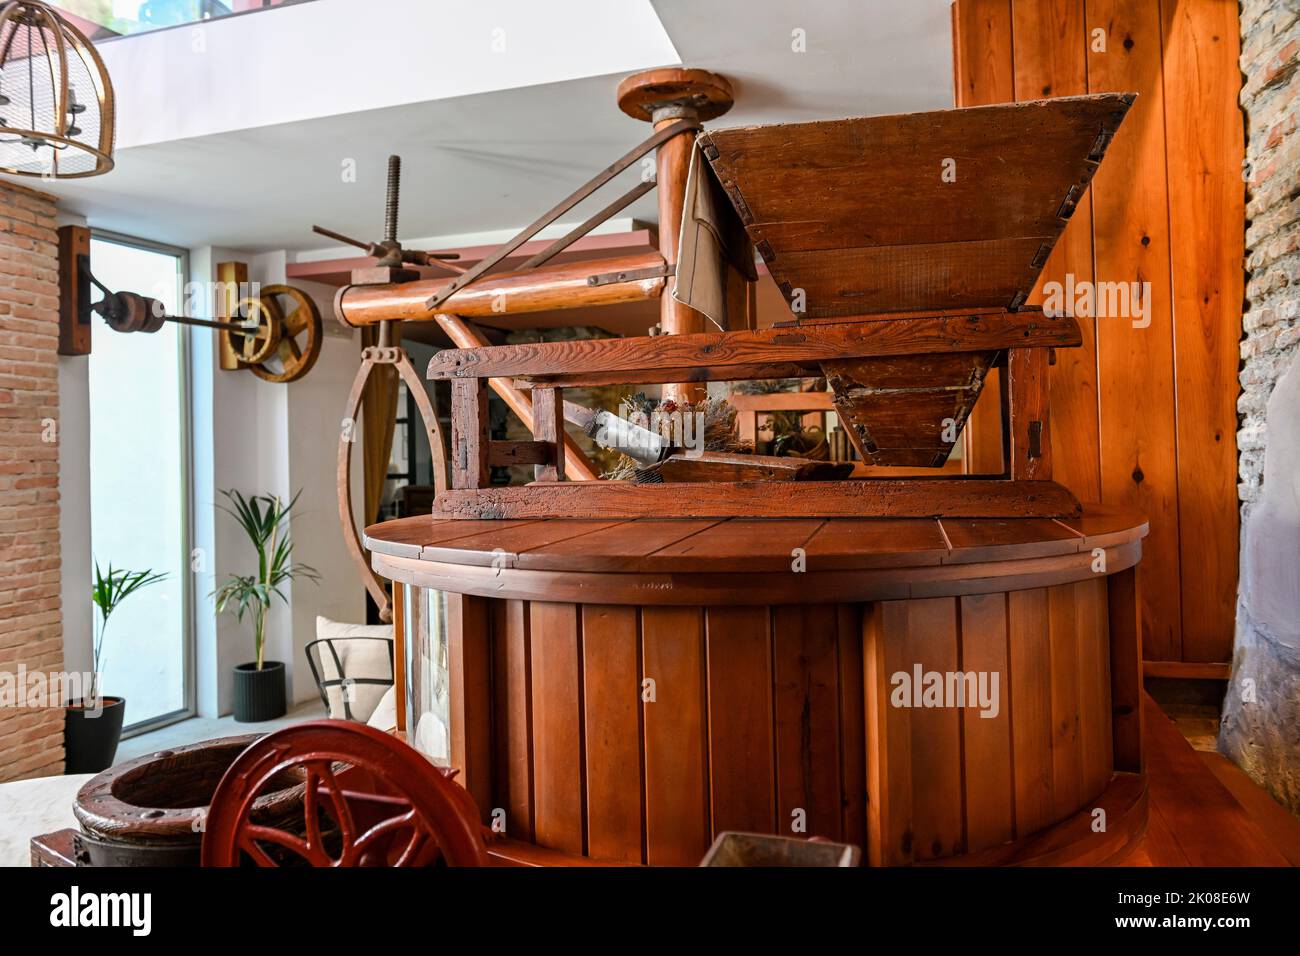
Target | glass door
(139,489)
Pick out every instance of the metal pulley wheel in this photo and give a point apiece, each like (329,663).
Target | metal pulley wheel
(297,322)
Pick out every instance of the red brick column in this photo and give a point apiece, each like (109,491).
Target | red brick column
(31,631)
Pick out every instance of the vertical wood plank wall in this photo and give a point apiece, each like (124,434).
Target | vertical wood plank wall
(1142,417)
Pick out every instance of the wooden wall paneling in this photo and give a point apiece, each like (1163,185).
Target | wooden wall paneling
(889,737)
(805,671)
(1124,621)
(1131,239)
(469,666)
(741,756)
(1064,638)
(512,690)
(852,721)
(676,762)
(555,651)
(982,42)
(612,731)
(1031,694)
(986,741)
(1094,685)
(1051,60)
(937,823)
(1206,147)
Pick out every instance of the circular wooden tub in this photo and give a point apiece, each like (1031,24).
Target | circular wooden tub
(955,691)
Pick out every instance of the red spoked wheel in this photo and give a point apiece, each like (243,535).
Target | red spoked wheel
(370,800)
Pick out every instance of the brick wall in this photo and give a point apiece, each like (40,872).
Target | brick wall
(31,633)
(1261,719)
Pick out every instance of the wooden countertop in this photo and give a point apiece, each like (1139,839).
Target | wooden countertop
(692,560)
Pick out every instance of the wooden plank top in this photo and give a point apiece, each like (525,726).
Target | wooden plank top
(660,545)
(938,210)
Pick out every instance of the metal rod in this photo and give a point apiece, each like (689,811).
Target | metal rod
(339,237)
(577,232)
(662,136)
(390,199)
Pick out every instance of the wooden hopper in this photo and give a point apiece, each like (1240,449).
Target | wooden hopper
(890,218)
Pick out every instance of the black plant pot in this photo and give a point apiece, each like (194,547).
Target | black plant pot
(259,695)
(91,735)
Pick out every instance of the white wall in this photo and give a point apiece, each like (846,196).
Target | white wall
(268,438)
(74,504)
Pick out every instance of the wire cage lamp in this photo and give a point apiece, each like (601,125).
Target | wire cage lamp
(56,99)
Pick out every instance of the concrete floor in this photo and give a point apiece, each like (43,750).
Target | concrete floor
(204,728)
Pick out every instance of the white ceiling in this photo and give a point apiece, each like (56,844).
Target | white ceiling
(497,160)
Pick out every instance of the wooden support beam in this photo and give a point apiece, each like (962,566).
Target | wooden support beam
(898,498)
(466,336)
(506,453)
(557,286)
(548,427)
(643,354)
(1027,401)
(469,434)
(660,376)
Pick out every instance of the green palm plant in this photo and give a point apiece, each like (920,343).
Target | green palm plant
(110,589)
(263,518)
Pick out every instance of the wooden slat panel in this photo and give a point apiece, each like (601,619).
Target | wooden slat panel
(1131,238)
(1094,684)
(676,772)
(512,689)
(469,666)
(615,548)
(849,542)
(734,538)
(853,745)
(557,726)
(1205,150)
(986,741)
(741,774)
(1067,761)
(937,824)
(889,737)
(805,679)
(611,697)
(1031,711)
(1050,60)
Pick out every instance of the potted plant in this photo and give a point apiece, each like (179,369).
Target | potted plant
(259,684)
(93,726)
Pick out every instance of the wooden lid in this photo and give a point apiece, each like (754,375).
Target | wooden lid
(742,560)
(705,93)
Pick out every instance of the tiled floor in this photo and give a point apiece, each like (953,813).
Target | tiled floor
(205,728)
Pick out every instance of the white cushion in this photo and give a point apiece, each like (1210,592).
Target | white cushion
(359,659)
(385,715)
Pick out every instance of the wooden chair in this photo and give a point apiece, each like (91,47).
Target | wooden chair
(368,800)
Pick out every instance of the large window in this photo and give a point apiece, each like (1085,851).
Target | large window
(139,507)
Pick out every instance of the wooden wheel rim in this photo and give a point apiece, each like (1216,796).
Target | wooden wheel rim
(302,319)
(425,803)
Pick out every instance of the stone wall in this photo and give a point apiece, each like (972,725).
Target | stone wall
(31,639)
(1260,729)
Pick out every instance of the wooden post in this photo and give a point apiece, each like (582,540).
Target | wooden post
(469,433)
(548,426)
(664,97)
(1027,402)
(399,655)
